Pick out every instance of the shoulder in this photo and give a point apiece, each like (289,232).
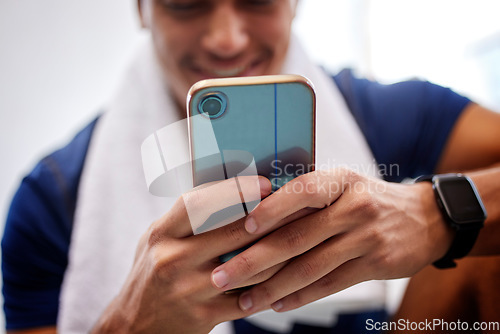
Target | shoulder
(37,235)
(53,183)
(364,96)
(405,123)
(64,166)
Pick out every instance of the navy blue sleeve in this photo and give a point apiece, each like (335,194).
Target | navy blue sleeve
(406,124)
(37,235)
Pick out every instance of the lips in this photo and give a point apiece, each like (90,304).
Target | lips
(228,72)
(222,69)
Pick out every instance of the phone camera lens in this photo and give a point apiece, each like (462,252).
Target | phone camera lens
(213,105)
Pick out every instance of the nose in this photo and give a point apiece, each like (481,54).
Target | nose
(226,34)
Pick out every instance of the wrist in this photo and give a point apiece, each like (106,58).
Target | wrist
(462,210)
(440,235)
(112,320)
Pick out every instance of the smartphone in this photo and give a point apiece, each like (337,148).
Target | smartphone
(250,125)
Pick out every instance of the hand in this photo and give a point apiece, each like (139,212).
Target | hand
(169,288)
(361,229)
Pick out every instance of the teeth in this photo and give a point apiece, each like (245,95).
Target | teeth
(229,72)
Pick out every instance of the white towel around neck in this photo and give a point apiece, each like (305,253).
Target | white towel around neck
(115,208)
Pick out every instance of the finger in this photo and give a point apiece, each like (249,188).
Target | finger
(281,245)
(209,312)
(225,308)
(212,244)
(263,276)
(317,190)
(302,271)
(191,209)
(209,246)
(202,202)
(350,273)
(233,236)
(295,216)
(177,269)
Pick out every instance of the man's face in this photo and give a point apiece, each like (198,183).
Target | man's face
(200,39)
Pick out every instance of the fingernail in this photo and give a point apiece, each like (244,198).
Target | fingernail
(250,225)
(220,279)
(245,302)
(265,185)
(277,305)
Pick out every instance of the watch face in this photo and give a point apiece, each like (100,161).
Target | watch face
(460,200)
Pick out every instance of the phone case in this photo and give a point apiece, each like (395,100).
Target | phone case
(251,125)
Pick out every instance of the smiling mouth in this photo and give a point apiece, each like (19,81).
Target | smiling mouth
(224,71)
(230,72)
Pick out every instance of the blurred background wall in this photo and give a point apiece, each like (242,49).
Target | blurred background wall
(60,60)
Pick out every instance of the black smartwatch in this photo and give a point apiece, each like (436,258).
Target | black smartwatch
(462,209)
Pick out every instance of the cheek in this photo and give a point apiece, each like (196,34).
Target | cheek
(172,39)
(276,35)
(173,42)
(170,49)
(275,30)
(169,43)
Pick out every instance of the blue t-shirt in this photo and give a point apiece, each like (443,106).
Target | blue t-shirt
(405,124)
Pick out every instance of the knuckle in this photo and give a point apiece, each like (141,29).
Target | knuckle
(349,175)
(263,213)
(264,275)
(292,238)
(367,205)
(245,264)
(162,229)
(154,235)
(308,184)
(166,265)
(306,269)
(371,208)
(265,293)
(326,283)
(235,232)
(262,209)
(296,300)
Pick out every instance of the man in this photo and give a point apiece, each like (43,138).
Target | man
(312,243)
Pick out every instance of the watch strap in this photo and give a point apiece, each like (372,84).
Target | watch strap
(462,244)
(465,238)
